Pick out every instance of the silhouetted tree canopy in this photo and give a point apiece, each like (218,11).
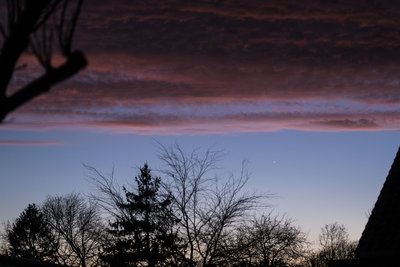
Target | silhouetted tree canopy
(267,240)
(209,208)
(38,24)
(78,226)
(30,236)
(144,231)
(189,219)
(335,242)
(335,245)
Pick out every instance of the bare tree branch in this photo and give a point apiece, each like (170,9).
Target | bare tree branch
(66,28)
(208,207)
(30,24)
(266,240)
(43,84)
(79,226)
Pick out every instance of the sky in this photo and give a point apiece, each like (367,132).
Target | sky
(306,91)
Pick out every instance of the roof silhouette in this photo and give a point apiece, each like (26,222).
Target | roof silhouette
(380,239)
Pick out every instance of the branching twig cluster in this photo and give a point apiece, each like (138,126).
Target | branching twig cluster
(38,24)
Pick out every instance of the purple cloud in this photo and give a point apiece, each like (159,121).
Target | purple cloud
(170,66)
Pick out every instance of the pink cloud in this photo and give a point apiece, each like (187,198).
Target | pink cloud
(27,143)
(176,67)
(164,94)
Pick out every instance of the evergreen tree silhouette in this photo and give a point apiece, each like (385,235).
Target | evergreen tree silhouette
(30,236)
(144,232)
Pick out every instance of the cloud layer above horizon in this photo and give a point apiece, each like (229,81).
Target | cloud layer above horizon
(171,67)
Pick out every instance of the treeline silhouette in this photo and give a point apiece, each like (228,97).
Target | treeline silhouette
(187,218)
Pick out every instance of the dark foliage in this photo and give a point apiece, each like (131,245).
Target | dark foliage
(30,236)
(144,233)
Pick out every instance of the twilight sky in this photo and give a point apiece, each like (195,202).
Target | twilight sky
(307,91)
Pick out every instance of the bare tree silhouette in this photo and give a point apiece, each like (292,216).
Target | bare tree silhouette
(38,24)
(335,245)
(267,240)
(208,208)
(78,226)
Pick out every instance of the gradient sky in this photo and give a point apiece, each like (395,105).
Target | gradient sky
(306,91)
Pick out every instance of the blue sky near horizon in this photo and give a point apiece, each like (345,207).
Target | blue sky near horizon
(317,177)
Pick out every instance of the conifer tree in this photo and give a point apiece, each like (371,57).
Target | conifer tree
(143,233)
(30,236)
